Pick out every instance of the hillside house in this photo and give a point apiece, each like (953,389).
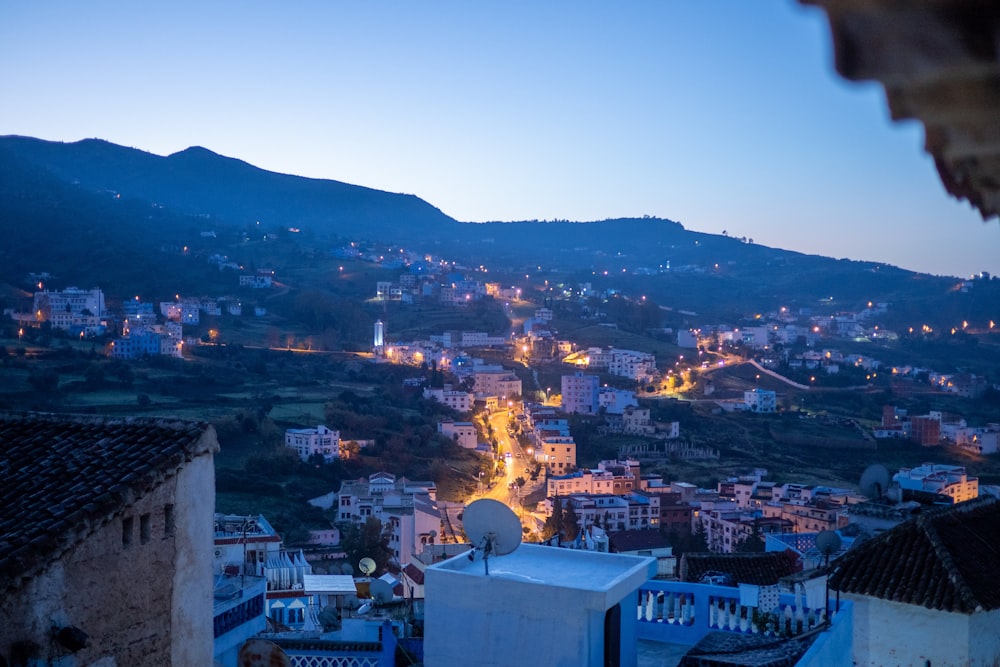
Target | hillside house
(407,508)
(319,441)
(580,393)
(463,433)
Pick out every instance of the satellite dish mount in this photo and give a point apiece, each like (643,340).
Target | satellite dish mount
(493,529)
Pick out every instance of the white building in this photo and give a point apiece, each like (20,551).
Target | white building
(580,393)
(981,440)
(497,383)
(760,400)
(615,401)
(309,441)
(72,309)
(260,280)
(638,366)
(556,452)
(460,401)
(687,338)
(149,341)
(610,477)
(409,509)
(249,545)
(463,433)
(538,605)
(924,592)
(939,478)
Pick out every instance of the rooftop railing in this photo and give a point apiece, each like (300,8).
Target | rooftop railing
(683,613)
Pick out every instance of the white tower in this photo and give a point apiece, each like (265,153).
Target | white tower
(379,342)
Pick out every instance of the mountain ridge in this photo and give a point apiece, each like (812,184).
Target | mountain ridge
(95,212)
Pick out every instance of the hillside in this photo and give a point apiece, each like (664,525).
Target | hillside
(229,192)
(94,213)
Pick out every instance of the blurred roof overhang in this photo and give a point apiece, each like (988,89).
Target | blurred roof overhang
(938,61)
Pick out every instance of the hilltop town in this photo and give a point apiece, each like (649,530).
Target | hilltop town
(603,429)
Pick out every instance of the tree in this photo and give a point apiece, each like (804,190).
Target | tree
(752,543)
(368,540)
(570,522)
(554,522)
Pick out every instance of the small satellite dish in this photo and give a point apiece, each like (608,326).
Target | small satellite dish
(493,528)
(365,608)
(874,481)
(380,591)
(367,565)
(828,543)
(346,568)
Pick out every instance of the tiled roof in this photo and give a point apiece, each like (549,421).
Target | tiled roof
(760,569)
(63,477)
(946,559)
(938,63)
(722,649)
(415,574)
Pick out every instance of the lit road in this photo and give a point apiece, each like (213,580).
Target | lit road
(517,465)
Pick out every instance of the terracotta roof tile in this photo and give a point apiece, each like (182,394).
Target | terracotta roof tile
(61,477)
(761,569)
(415,574)
(634,540)
(945,558)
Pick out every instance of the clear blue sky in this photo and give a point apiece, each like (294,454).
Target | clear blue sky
(718,114)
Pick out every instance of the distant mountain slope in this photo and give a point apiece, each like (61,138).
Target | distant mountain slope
(231,192)
(93,212)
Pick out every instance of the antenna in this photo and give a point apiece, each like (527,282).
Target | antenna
(874,481)
(492,528)
(367,566)
(828,543)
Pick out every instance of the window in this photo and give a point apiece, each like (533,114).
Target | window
(126,532)
(144,530)
(169,522)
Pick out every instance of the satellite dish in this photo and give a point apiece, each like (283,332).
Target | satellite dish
(346,568)
(874,481)
(828,543)
(365,608)
(367,565)
(380,591)
(492,528)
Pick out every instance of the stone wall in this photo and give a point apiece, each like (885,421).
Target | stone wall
(139,585)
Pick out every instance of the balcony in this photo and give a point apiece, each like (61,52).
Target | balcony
(674,616)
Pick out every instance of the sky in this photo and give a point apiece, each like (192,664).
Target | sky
(719,114)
